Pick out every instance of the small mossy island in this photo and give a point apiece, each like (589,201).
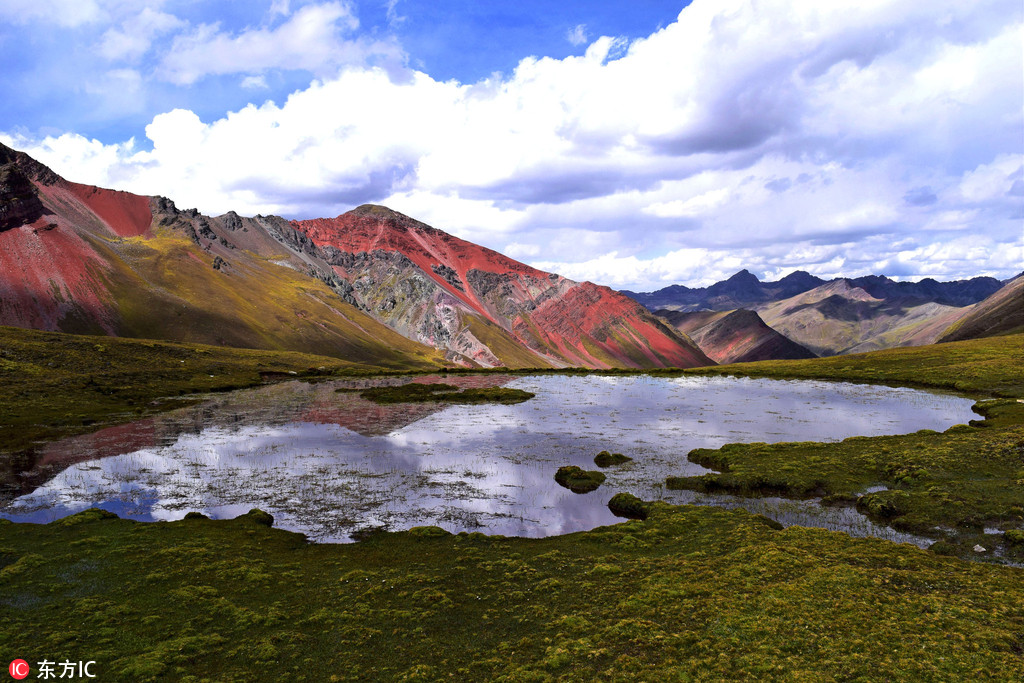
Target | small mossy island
(609,459)
(629,506)
(579,480)
(674,593)
(414,392)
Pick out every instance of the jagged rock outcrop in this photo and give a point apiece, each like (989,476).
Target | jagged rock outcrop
(19,201)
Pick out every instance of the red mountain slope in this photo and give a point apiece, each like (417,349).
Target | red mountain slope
(388,256)
(75,258)
(372,285)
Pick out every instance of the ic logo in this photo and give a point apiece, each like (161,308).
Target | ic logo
(19,669)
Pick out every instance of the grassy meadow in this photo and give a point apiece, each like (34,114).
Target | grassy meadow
(685,594)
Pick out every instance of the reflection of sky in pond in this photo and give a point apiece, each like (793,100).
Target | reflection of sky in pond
(479,467)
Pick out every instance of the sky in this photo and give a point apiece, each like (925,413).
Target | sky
(636,145)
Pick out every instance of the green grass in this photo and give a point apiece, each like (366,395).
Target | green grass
(687,594)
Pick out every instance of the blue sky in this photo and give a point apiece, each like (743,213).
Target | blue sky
(633,144)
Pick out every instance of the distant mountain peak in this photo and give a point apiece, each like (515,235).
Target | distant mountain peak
(744,276)
(800,276)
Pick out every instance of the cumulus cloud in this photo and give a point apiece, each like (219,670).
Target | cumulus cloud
(310,39)
(61,12)
(836,137)
(133,37)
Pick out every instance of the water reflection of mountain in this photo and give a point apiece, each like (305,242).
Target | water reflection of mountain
(272,405)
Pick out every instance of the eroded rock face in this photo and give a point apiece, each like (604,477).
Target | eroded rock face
(398,266)
(19,201)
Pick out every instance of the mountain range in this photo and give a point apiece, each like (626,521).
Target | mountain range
(842,315)
(371,284)
(745,290)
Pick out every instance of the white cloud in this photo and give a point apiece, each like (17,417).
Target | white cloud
(696,205)
(394,18)
(61,12)
(771,135)
(993,181)
(577,35)
(135,36)
(310,39)
(254,82)
(522,251)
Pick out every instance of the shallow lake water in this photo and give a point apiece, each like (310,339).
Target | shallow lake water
(330,464)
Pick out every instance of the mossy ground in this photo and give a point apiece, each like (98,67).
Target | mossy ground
(609,459)
(688,594)
(444,393)
(965,479)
